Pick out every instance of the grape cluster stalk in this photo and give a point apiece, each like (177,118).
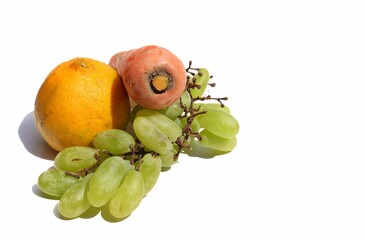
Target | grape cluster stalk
(190,112)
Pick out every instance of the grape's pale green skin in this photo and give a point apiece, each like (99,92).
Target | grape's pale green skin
(55,182)
(167,160)
(151,136)
(74,202)
(76,158)
(128,166)
(211,140)
(175,110)
(116,141)
(167,126)
(209,106)
(128,196)
(150,169)
(202,79)
(105,181)
(198,150)
(219,123)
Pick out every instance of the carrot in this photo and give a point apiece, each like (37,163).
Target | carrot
(153,76)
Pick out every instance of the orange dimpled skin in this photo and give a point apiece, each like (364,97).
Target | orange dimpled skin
(153,76)
(77,100)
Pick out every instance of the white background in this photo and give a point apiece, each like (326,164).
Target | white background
(294,73)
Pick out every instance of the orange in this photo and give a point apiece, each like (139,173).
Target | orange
(78,99)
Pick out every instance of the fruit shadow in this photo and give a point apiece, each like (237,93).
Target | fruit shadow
(39,193)
(32,140)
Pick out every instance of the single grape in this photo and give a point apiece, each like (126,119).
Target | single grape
(201,79)
(76,158)
(150,168)
(209,106)
(167,126)
(211,140)
(198,150)
(55,182)
(128,196)
(167,160)
(219,123)
(128,166)
(74,202)
(105,181)
(175,110)
(151,136)
(115,141)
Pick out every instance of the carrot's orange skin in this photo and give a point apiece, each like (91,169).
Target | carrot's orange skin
(135,66)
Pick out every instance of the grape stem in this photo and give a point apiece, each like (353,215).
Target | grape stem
(211,98)
(86,171)
(189,112)
(136,154)
(190,68)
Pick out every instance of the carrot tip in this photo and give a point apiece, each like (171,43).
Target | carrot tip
(160,81)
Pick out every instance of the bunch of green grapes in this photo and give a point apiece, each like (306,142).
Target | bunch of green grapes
(207,127)
(122,167)
(113,179)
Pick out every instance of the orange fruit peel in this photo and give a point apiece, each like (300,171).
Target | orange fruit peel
(78,99)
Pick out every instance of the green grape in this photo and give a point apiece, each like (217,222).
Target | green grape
(76,158)
(74,202)
(175,110)
(211,140)
(185,99)
(116,141)
(105,181)
(219,123)
(150,169)
(202,79)
(167,160)
(55,182)
(151,136)
(128,196)
(198,150)
(167,126)
(195,126)
(209,106)
(128,166)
